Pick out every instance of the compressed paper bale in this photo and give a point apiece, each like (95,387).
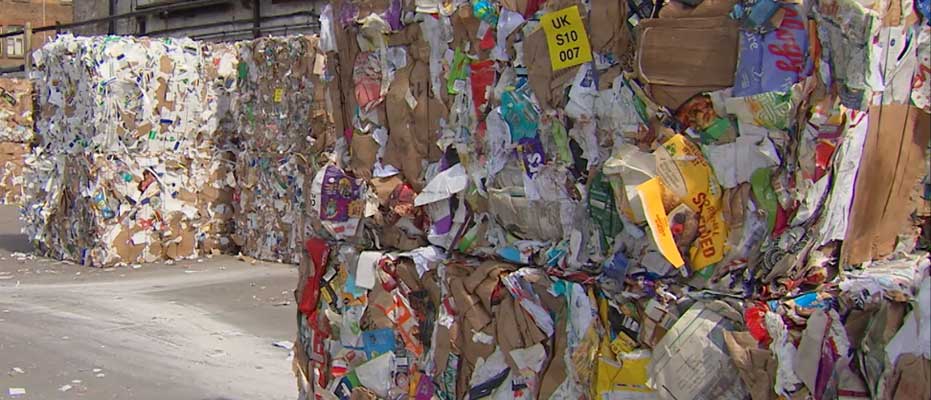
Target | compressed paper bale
(12,162)
(283,120)
(16,110)
(270,203)
(129,134)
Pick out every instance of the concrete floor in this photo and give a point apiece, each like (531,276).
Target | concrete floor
(198,329)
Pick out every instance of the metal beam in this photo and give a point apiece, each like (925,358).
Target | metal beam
(275,28)
(209,25)
(111,24)
(256,18)
(14,69)
(139,13)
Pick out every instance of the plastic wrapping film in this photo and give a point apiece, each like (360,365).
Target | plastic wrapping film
(130,162)
(522,207)
(282,122)
(16,131)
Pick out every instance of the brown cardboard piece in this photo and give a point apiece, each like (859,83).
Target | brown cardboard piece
(507,330)
(361,393)
(465,28)
(607,34)
(555,371)
(124,246)
(17,100)
(707,8)
(12,162)
(384,186)
(483,280)
(363,151)
(393,236)
(412,133)
(344,57)
(911,379)
(883,325)
(681,57)
(407,273)
(179,241)
(893,161)
(756,366)
(515,5)
(469,306)
(374,317)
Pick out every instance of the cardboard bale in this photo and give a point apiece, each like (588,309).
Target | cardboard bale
(16,110)
(130,159)
(270,204)
(16,131)
(12,162)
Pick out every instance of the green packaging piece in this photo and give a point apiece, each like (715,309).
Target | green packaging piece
(713,132)
(458,72)
(446,387)
(761,183)
(603,210)
(243,71)
(561,138)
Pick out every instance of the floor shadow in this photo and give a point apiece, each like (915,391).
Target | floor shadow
(15,242)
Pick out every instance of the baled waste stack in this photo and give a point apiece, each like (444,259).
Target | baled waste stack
(559,199)
(282,123)
(16,104)
(131,164)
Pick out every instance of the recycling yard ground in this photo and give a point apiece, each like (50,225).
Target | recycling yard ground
(197,329)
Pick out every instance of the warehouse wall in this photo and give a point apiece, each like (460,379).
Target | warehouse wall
(226,19)
(16,13)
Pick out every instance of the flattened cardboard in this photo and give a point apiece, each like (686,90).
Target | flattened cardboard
(695,344)
(412,133)
(756,366)
(681,57)
(555,370)
(16,110)
(12,162)
(893,161)
(707,8)
(363,151)
(911,379)
(607,35)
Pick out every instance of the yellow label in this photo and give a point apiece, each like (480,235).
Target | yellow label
(651,194)
(685,172)
(621,379)
(279,94)
(325,294)
(623,344)
(566,38)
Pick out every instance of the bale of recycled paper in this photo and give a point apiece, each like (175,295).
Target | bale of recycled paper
(270,203)
(131,162)
(12,162)
(16,131)
(280,104)
(519,206)
(16,110)
(282,120)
